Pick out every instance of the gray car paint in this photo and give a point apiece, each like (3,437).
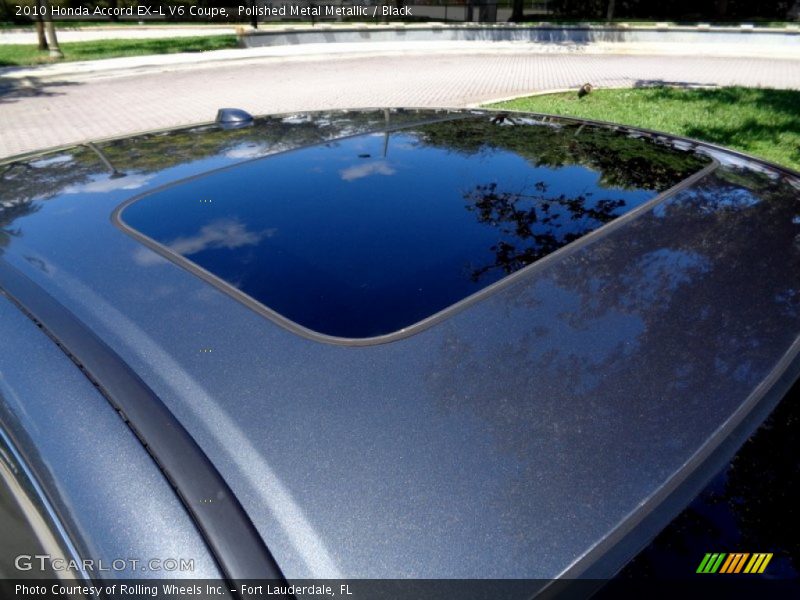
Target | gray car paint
(505,441)
(106,493)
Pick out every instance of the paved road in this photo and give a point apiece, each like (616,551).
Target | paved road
(43,114)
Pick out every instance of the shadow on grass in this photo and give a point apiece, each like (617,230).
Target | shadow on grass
(747,118)
(784,101)
(747,133)
(664,84)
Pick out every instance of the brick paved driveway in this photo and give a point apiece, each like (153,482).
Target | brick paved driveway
(44,114)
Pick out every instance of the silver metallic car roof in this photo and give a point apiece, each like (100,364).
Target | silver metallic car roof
(549,429)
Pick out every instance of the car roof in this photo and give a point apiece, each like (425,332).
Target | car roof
(548,428)
(368,238)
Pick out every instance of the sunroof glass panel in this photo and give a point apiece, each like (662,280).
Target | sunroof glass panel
(369,235)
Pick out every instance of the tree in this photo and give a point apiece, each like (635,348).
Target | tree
(253,14)
(610,11)
(40,25)
(517,10)
(114,4)
(55,50)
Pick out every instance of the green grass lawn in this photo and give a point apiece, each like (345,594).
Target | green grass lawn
(24,54)
(762,122)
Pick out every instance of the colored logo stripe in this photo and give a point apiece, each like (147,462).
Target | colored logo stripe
(758,563)
(711,563)
(734,563)
(714,562)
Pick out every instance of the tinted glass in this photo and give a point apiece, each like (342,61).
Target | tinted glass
(26,530)
(371,234)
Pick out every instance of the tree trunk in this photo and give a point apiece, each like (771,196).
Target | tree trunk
(40,34)
(253,15)
(610,11)
(517,11)
(40,27)
(55,51)
(794,11)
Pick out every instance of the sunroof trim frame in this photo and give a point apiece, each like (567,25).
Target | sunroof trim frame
(429,321)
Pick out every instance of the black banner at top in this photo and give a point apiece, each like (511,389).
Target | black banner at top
(231,11)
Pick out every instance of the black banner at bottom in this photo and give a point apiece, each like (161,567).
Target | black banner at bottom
(732,586)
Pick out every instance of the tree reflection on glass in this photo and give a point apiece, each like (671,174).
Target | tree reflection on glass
(623,160)
(535,225)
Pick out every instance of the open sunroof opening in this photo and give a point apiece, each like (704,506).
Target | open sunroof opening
(368,235)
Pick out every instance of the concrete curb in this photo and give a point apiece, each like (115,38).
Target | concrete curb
(543,33)
(523,95)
